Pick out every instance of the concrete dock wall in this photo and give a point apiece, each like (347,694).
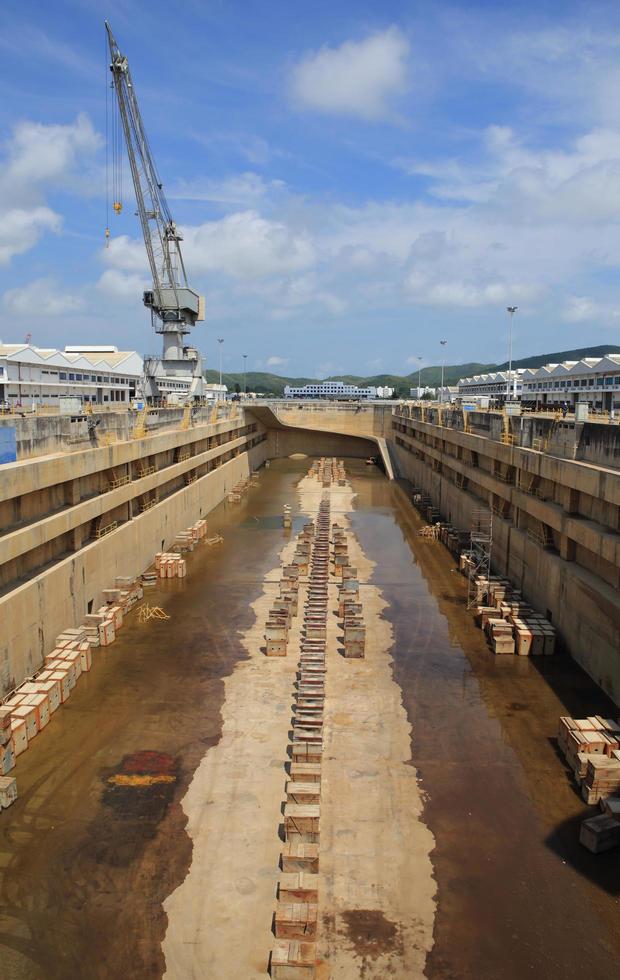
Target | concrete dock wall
(574,585)
(33,614)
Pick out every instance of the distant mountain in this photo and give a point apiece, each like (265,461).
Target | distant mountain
(273,384)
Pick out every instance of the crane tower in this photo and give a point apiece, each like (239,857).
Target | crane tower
(174,306)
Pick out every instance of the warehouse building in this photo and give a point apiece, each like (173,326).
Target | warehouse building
(31,376)
(594,380)
(494,385)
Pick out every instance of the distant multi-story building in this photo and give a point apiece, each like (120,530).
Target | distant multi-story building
(423,392)
(332,389)
(31,376)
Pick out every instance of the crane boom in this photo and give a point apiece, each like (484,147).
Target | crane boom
(175,307)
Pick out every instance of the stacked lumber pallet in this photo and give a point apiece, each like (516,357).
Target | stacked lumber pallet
(349,606)
(240,488)
(31,707)
(510,624)
(328,471)
(170,564)
(296,917)
(591,747)
(187,539)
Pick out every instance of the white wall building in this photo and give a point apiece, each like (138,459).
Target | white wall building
(447,394)
(216,392)
(330,389)
(595,380)
(383,391)
(422,392)
(31,376)
(495,385)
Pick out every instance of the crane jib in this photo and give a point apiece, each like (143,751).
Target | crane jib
(175,306)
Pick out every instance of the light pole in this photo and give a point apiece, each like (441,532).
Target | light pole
(220,341)
(420,377)
(245,387)
(511,310)
(443,361)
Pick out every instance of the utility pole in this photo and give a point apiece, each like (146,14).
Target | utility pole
(511,310)
(220,341)
(245,386)
(420,377)
(443,361)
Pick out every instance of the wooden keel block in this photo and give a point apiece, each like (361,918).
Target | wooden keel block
(295,921)
(301,822)
(600,833)
(297,856)
(8,791)
(306,772)
(303,792)
(275,648)
(298,886)
(309,720)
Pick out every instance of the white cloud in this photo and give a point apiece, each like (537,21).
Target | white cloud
(358,78)
(21,229)
(245,245)
(126,254)
(277,361)
(245,189)
(39,158)
(122,285)
(581,309)
(468,294)
(41,297)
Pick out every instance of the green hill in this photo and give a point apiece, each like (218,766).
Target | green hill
(273,384)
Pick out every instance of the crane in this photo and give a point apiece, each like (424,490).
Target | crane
(175,307)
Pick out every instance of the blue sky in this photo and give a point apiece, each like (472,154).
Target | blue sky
(354,181)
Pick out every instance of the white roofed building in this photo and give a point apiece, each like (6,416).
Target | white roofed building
(31,376)
(494,385)
(595,380)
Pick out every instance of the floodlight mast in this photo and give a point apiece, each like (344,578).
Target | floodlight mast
(174,306)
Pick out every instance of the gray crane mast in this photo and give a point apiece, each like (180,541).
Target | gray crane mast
(174,306)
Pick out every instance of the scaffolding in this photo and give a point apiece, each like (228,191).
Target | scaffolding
(481,543)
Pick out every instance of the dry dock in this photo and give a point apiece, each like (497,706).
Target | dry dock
(449,845)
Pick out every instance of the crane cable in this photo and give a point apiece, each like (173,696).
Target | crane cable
(107,154)
(113,149)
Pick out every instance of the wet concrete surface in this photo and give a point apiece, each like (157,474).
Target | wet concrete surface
(517,895)
(97,839)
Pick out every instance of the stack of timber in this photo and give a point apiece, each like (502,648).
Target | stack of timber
(510,624)
(30,707)
(187,539)
(296,917)
(349,606)
(170,564)
(591,747)
(328,471)
(240,488)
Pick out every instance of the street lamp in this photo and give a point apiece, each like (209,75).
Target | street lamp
(443,361)
(245,387)
(220,341)
(511,310)
(420,376)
